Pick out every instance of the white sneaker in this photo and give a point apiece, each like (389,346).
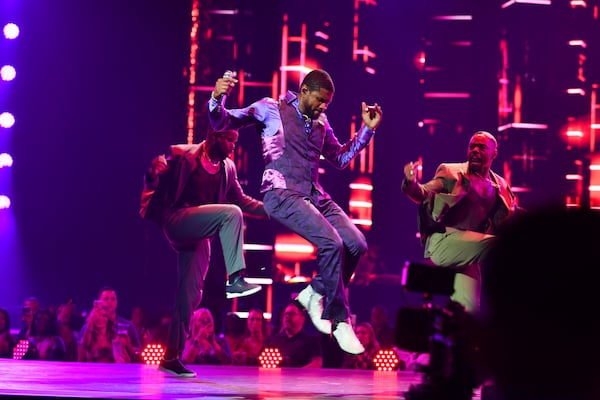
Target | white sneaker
(346,338)
(313,302)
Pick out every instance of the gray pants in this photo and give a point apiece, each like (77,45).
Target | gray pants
(189,231)
(465,250)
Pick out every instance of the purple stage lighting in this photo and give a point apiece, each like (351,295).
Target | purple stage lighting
(7,120)
(5,160)
(8,73)
(4,202)
(11,31)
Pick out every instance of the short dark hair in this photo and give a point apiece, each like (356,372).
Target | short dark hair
(317,79)
(212,134)
(105,289)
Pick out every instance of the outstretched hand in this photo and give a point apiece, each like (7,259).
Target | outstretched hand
(371,115)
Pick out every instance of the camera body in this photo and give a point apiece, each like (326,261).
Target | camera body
(447,333)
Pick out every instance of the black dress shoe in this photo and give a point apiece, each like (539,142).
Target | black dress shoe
(176,367)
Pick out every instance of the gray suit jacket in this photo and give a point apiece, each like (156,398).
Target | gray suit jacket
(447,188)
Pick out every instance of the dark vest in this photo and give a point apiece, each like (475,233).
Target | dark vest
(299,162)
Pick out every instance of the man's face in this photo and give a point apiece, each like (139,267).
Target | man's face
(108,299)
(481,153)
(225,144)
(293,320)
(313,103)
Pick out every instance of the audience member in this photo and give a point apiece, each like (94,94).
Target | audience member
(45,342)
(69,323)
(107,298)
(366,335)
(30,306)
(7,342)
(384,333)
(203,346)
(233,331)
(160,333)
(539,307)
(138,319)
(297,348)
(254,340)
(102,341)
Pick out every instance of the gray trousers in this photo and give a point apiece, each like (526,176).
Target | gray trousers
(465,250)
(189,231)
(339,242)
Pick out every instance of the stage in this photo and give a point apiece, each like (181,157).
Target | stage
(20,378)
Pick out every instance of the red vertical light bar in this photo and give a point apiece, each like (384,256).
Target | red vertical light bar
(503,106)
(355,32)
(302,52)
(284,52)
(518,100)
(594,109)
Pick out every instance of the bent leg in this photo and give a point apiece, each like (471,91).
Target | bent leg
(465,250)
(187,226)
(355,244)
(296,212)
(189,231)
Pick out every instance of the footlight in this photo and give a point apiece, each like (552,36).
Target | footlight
(21,349)
(270,358)
(386,360)
(152,354)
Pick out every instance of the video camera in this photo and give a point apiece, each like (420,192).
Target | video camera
(447,333)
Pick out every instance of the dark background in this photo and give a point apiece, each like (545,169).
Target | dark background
(101,90)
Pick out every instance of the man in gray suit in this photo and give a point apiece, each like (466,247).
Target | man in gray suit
(459,212)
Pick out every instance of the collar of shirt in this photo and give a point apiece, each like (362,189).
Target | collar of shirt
(305,118)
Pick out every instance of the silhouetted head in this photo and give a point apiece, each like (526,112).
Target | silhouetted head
(540,305)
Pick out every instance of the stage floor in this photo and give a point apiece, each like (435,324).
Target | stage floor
(20,378)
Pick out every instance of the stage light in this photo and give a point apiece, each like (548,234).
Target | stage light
(7,120)
(11,31)
(21,348)
(5,160)
(152,354)
(8,73)
(386,360)
(270,358)
(4,202)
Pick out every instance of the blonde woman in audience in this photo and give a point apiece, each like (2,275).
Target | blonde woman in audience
(203,346)
(253,343)
(101,340)
(366,336)
(97,336)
